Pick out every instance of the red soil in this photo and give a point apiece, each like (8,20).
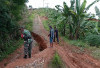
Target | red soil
(40,41)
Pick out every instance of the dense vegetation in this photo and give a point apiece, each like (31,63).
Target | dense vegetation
(11,12)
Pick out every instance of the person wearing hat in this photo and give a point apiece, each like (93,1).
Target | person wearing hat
(26,35)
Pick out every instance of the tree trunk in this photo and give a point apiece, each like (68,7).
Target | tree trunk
(77,31)
(64,30)
(76,34)
(71,32)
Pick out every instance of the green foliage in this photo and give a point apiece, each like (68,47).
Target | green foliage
(10,14)
(9,48)
(97,11)
(45,24)
(29,23)
(57,62)
(95,1)
(93,40)
(78,43)
(77,15)
(42,11)
(87,28)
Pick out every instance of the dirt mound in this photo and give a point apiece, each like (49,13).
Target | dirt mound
(40,41)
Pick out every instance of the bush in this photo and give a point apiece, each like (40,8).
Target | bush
(9,47)
(93,40)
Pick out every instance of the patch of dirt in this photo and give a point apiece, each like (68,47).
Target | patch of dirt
(40,41)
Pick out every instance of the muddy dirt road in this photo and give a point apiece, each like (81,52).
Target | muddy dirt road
(40,59)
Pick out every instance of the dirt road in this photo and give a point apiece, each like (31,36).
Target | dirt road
(40,59)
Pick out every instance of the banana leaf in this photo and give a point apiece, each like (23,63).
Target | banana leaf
(92,4)
(82,8)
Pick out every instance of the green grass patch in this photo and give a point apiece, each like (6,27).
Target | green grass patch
(56,62)
(29,23)
(95,52)
(10,48)
(45,24)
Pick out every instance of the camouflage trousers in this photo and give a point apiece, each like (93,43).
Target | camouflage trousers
(27,48)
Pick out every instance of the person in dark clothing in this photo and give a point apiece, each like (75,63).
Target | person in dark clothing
(56,35)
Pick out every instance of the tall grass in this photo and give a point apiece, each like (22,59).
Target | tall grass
(56,62)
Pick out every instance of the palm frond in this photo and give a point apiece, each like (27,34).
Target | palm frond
(97,11)
(82,8)
(66,8)
(92,4)
(72,4)
(77,6)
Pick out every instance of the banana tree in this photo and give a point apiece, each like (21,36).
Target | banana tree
(68,19)
(78,15)
(75,15)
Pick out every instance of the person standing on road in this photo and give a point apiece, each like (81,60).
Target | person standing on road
(51,35)
(56,34)
(26,35)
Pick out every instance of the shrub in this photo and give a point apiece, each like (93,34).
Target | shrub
(93,40)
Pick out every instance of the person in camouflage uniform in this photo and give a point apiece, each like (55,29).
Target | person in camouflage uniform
(26,35)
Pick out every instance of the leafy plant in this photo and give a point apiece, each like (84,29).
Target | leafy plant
(77,13)
(57,62)
(97,11)
(10,13)
(93,40)
(29,23)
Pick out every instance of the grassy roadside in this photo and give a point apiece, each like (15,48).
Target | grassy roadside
(95,52)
